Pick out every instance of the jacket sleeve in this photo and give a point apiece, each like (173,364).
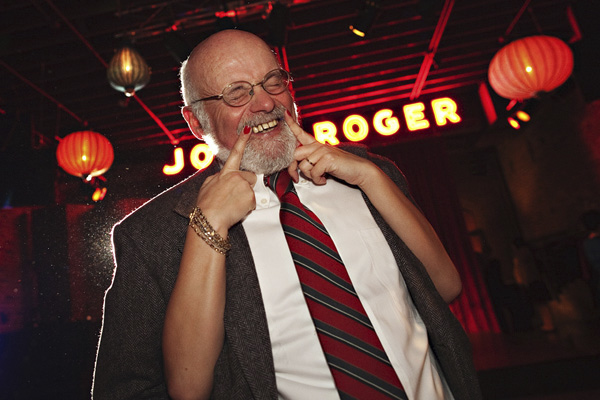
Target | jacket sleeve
(129,359)
(447,338)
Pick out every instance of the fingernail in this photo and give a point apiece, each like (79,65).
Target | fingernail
(246,130)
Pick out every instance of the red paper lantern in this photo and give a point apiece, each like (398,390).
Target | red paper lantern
(85,154)
(530,65)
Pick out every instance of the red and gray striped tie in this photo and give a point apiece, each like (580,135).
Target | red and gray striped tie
(358,363)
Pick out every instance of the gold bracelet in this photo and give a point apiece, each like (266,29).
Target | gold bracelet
(203,228)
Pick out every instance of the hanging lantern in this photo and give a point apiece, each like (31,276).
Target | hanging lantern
(525,67)
(127,71)
(85,154)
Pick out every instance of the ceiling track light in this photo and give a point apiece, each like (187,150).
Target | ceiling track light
(365,18)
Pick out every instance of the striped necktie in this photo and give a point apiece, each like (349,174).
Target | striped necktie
(358,363)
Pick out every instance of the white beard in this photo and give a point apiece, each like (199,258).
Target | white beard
(261,156)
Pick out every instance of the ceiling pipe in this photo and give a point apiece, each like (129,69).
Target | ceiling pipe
(156,119)
(174,141)
(76,32)
(515,20)
(433,46)
(43,93)
(202,17)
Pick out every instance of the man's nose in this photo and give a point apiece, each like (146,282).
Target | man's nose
(261,100)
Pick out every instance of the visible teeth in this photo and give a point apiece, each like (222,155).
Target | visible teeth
(265,126)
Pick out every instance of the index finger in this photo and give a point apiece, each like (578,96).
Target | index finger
(303,137)
(237,151)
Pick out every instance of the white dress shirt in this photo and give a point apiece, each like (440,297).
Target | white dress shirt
(300,367)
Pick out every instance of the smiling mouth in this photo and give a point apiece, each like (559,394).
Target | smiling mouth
(265,126)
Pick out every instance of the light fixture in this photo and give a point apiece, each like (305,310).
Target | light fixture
(100,189)
(127,71)
(520,113)
(365,18)
(529,66)
(85,154)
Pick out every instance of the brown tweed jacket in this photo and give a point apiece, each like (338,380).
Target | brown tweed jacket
(148,245)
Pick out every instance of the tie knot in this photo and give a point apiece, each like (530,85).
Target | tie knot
(280,182)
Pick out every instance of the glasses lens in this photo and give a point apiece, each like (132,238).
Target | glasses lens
(237,94)
(276,81)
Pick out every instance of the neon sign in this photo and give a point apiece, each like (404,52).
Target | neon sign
(356,127)
(200,157)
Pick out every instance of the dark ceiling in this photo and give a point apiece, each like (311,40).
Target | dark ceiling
(53,55)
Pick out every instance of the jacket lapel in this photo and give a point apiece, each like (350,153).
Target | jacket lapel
(245,320)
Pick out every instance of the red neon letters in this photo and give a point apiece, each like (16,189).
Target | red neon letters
(200,157)
(356,128)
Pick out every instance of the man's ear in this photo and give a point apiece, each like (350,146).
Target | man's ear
(192,121)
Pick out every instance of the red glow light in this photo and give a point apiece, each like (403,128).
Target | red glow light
(223,14)
(99,194)
(523,116)
(357,32)
(514,123)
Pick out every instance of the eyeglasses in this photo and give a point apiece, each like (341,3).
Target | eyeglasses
(239,93)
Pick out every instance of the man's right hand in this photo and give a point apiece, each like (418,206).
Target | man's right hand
(193,333)
(227,197)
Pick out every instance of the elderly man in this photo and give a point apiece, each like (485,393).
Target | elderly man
(290,270)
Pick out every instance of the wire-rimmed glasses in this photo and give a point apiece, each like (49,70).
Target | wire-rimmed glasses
(239,93)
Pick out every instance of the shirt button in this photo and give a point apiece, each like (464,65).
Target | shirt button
(264,201)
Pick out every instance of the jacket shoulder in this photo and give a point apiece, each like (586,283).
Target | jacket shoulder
(175,199)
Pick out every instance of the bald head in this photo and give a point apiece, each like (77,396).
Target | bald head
(223,53)
(236,56)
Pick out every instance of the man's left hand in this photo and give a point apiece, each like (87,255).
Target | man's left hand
(316,160)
